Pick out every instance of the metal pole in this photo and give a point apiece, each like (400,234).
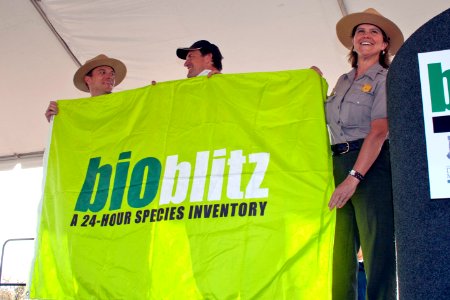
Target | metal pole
(15,156)
(53,29)
(1,261)
(342,7)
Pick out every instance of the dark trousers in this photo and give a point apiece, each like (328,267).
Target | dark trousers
(367,220)
(362,282)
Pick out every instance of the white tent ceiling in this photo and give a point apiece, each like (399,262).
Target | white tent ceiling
(253,35)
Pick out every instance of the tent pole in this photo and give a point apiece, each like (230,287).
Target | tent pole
(342,7)
(50,25)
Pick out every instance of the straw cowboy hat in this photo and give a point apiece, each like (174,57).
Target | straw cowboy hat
(345,27)
(99,60)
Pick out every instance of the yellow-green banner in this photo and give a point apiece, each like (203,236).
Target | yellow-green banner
(205,188)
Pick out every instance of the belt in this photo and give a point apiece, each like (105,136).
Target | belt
(346,147)
(339,149)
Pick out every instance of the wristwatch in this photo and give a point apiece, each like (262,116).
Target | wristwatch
(356,174)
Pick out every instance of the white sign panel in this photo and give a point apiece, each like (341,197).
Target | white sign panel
(435,83)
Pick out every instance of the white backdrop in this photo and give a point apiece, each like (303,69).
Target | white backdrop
(253,35)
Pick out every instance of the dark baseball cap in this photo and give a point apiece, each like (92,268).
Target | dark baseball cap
(204,45)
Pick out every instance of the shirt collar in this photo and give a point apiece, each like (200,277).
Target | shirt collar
(204,72)
(371,72)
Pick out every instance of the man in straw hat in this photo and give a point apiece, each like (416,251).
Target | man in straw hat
(357,119)
(202,58)
(98,76)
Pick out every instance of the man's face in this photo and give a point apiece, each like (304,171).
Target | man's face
(196,62)
(102,80)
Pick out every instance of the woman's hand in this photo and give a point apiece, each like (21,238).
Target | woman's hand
(343,192)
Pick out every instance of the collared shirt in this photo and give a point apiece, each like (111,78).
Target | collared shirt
(204,72)
(354,104)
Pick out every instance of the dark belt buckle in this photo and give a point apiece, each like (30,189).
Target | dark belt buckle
(346,150)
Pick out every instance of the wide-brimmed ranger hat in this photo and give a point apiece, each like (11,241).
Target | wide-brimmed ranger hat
(100,60)
(345,27)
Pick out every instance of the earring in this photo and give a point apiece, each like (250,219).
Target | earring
(383,52)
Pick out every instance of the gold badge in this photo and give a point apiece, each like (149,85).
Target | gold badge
(366,88)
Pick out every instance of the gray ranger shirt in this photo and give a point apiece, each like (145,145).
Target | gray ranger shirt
(354,104)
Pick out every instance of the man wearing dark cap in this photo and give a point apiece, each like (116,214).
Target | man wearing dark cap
(98,76)
(202,58)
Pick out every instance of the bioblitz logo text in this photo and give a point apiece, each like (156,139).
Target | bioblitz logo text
(434,69)
(439,93)
(146,174)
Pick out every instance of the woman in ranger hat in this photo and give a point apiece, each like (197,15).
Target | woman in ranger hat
(357,119)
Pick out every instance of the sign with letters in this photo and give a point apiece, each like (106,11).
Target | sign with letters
(205,188)
(435,84)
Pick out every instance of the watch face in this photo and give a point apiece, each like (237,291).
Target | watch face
(356,174)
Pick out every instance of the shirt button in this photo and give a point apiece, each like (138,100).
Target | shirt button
(339,122)
(339,107)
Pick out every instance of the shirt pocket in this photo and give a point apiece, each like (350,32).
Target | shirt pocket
(356,109)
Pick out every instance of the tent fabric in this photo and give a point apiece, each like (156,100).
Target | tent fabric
(253,35)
